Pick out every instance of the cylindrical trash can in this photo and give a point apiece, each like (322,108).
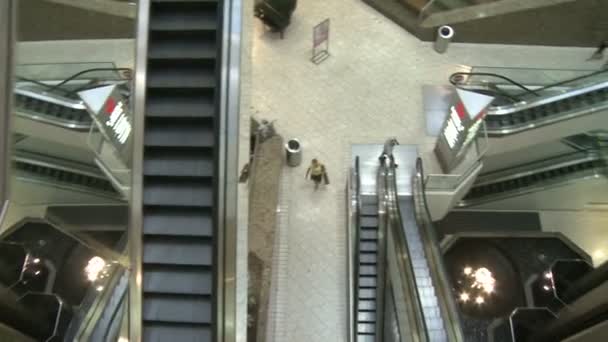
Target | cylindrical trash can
(444,37)
(293,148)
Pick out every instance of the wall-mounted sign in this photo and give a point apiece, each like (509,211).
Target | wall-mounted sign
(111,114)
(460,127)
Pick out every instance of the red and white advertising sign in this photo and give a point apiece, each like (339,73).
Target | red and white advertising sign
(461,127)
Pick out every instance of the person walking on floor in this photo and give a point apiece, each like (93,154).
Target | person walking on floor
(317,173)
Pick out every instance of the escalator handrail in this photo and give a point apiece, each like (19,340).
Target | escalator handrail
(415,312)
(448,307)
(523,105)
(355,244)
(526,89)
(561,83)
(515,83)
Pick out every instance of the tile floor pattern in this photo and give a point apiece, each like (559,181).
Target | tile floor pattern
(370,88)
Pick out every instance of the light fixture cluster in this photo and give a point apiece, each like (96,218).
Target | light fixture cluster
(95,266)
(476,285)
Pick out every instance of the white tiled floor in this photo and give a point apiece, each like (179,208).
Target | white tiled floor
(369,89)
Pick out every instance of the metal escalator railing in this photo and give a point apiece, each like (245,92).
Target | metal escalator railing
(444,12)
(30,167)
(62,112)
(537,176)
(409,309)
(8,32)
(582,95)
(447,304)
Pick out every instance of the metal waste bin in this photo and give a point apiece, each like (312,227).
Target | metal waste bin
(444,37)
(293,148)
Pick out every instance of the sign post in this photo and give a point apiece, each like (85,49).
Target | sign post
(320,42)
(460,128)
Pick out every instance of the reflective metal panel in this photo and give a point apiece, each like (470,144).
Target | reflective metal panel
(69,188)
(228,167)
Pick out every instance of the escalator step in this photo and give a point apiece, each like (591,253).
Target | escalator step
(366,338)
(368,247)
(155,331)
(367,282)
(178,192)
(369,221)
(369,210)
(367,293)
(368,270)
(182,45)
(186,74)
(183,1)
(191,163)
(180,104)
(368,235)
(366,317)
(177,308)
(366,305)
(366,328)
(172,250)
(175,279)
(179,134)
(178,221)
(367,258)
(189,16)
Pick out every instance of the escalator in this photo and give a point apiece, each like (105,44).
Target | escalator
(53,110)
(367,282)
(54,179)
(549,115)
(573,169)
(180,169)
(400,290)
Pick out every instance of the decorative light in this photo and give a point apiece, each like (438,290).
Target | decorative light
(479,300)
(95,265)
(483,279)
(464,297)
(99,288)
(548,275)
(546,288)
(468,270)
(37,260)
(37,273)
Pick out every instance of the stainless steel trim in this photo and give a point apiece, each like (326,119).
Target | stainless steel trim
(453,324)
(385,222)
(135,219)
(352,206)
(228,171)
(414,316)
(8,18)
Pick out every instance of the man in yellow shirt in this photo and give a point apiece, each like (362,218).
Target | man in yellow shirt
(317,173)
